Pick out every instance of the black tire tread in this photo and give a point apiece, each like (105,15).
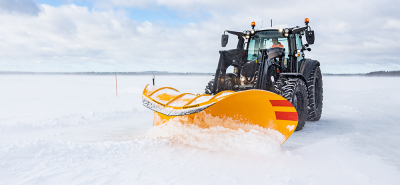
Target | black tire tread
(314,113)
(287,87)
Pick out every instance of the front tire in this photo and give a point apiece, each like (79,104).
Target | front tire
(295,91)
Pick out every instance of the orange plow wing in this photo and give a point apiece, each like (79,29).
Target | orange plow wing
(254,107)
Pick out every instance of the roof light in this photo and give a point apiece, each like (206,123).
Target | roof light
(306,20)
(286,30)
(253,24)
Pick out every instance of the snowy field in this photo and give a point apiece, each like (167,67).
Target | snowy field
(71,129)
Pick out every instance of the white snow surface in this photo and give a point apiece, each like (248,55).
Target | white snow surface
(70,129)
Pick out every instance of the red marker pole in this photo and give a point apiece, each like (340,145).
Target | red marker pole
(116,85)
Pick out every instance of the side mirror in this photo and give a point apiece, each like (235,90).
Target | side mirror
(224,40)
(310,37)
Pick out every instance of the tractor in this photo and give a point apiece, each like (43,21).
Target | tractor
(273,59)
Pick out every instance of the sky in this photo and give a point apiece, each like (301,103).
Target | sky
(184,36)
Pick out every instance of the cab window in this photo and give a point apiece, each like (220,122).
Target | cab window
(264,40)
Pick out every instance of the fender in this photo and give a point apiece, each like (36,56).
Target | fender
(294,75)
(307,66)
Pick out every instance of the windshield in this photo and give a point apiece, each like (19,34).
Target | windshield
(265,40)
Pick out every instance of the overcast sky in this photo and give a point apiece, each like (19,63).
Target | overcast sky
(184,36)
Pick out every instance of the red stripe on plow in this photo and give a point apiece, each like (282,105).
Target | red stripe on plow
(289,116)
(281,103)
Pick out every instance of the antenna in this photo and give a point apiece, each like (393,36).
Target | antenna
(271,22)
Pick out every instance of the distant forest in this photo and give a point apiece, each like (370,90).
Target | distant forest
(375,73)
(384,73)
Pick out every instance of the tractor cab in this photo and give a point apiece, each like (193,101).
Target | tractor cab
(259,43)
(288,39)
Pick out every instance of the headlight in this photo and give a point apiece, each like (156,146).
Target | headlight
(280,30)
(252,32)
(242,78)
(247,34)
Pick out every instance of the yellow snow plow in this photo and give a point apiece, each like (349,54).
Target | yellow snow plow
(251,107)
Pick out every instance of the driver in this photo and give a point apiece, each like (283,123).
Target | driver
(276,44)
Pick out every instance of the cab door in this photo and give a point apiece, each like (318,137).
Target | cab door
(292,65)
(299,47)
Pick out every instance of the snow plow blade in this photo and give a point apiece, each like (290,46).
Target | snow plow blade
(254,107)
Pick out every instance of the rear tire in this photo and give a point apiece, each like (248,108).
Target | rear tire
(295,91)
(315,95)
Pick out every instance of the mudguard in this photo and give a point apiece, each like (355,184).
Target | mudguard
(307,66)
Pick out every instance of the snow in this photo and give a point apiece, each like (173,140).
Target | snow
(290,127)
(67,129)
